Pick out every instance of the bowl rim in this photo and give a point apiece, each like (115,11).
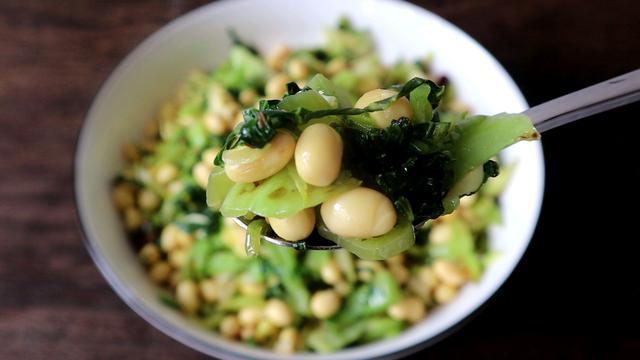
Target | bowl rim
(174,331)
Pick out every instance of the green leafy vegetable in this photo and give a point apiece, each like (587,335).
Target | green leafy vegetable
(260,125)
(327,87)
(401,160)
(479,138)
(422,107)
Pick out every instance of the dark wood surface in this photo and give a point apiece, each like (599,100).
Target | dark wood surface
(576,293)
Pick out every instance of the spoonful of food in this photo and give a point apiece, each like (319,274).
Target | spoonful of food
(420,161)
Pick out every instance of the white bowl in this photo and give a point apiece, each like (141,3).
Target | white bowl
(199,39)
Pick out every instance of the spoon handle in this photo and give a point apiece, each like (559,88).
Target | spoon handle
(594,99)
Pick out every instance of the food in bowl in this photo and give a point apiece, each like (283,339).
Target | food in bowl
(283,300)
(362,175)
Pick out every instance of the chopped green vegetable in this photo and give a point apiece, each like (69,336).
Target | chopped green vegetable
(399,239)
(255,230)
(241,302)
(378,328)
(224,262)
(330,337)
(479,138)
(371,298)
(460,248)
(346,41)
(218,187)
(422,108)
(244,69)
(279,197)
(283,261)
(314,260)
(327,87)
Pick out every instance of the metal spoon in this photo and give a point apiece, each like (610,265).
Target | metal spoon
(594,99)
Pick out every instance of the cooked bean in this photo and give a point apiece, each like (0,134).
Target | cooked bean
(278,312)
(249,316)
(276,86)
(178,257)
(278,57)
(343,288)
(287,340)
(173,237)
(440,233)
(250,288)
(201,173)
(411,309)
(149,254)
(187,296)
(148,200)
(318,155)
(166,173)
(449,272)
(399,272)
(244,164)
(160,272)
(399,108)
(359,213)
(367,84)
(230,326)
(445,293)
(123,196)
(330,272)
(247,332)
(248,97)
(295,227)
(325,303)
(215,124)
(426,277)
(335,66)
(209,155)
(132,218)
(297,69)
(265,330)
(209,289)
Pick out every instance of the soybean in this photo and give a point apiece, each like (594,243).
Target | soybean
(295,227)
(399,108)
(325,303)
(359,213)
(318,155)
(244,165)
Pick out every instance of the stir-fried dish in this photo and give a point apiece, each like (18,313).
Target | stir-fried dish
(327,141)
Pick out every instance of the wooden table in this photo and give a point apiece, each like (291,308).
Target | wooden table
(576,293)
